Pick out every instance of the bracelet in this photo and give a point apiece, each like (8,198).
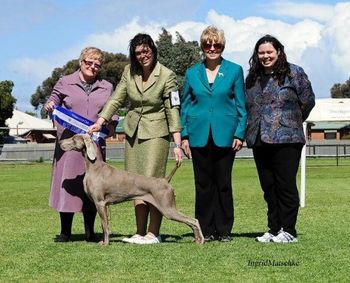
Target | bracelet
(177,145)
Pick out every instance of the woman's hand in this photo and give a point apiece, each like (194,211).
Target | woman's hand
(49,106)
(178,155)
(177,148)
(186,148)
(237,145)
(96,127)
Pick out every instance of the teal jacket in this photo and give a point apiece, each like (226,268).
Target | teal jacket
(219,108)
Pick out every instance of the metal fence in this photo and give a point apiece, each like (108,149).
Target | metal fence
(339,151)
(44,152)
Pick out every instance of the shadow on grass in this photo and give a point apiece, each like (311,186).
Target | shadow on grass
(168,238)
(248,235)
(117,238)
(81,238)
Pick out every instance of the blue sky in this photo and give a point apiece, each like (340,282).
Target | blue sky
(38,35)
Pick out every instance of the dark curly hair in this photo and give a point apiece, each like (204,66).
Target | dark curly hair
(280,69)
(139,39)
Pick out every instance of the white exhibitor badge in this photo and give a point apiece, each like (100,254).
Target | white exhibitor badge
(175,98)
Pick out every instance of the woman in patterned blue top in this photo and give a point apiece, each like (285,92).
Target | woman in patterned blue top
(279,99)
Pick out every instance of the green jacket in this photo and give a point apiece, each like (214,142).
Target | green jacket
(150,112)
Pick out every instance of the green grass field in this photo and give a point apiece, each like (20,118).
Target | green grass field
(28,226)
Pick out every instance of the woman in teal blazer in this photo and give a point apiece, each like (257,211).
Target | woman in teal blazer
(213,116)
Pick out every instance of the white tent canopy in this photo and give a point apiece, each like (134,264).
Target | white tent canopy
(330,110)
(21,123)
(325,110)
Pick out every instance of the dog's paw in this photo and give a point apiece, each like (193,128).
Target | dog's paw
(199,241)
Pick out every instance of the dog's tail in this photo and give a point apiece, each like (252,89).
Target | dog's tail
(171,174)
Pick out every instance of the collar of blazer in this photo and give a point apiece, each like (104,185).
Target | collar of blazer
(151,80)
(219,77)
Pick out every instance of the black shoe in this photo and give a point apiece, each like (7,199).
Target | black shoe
(225,239)
(62,238)
(209,238)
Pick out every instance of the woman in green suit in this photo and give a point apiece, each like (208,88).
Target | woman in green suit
(213,117)
(153,115)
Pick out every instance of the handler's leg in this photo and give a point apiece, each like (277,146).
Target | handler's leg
(223,204)
(286,169)
(263,157)
(66,227)
(205,189)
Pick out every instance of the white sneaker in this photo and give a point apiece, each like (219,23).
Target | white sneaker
(148,240)
(284,237)
(266,238)
(132,239)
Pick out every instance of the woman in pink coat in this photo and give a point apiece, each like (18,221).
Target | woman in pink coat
(85,94)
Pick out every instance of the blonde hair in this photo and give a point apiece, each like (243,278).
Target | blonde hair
(92,53)
(213,35)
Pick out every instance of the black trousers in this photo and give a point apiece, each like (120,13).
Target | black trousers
(277,167)
(212,168)
(89,215)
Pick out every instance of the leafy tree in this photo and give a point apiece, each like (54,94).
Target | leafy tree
(7,103)
(111,70)
(165,49)
(177,56)
(341,90)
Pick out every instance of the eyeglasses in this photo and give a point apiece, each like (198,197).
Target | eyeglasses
(207,46)
(92,64)
(145,52)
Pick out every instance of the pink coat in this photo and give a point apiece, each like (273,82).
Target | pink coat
(68,169)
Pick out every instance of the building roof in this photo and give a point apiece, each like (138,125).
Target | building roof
(22,123)
(329,125)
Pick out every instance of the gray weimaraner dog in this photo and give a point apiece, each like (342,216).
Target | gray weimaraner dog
(107,185)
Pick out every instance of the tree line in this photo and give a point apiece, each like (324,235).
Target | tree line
(7,103)
(341,90)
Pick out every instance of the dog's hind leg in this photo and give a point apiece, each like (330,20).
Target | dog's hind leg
(102,212)
(165,203)
(173,214)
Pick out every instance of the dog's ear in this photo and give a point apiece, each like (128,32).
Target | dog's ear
(90,150)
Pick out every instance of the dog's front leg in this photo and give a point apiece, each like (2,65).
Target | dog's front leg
(102,212)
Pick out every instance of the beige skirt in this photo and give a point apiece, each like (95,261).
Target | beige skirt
(147,157)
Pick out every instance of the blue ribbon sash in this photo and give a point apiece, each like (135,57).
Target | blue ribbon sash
(76,123)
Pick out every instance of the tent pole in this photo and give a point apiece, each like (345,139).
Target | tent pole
(303,169)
